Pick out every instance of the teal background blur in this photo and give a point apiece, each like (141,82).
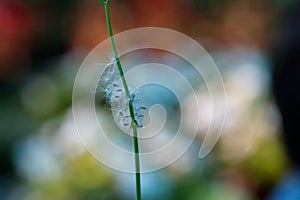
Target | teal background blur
(42,44)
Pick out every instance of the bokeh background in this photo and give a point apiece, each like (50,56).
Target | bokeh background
(42,44)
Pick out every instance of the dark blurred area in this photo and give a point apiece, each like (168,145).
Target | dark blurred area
(286,79)
(42,44)
(286,87)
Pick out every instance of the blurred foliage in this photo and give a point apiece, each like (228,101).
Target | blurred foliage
(43,94)
(268,163)
(83,178)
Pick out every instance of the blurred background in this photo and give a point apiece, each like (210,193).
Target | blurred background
(42,44)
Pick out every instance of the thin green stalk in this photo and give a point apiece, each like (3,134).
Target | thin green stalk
(137,165)
(134,123)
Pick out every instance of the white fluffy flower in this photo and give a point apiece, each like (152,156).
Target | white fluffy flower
(111,89)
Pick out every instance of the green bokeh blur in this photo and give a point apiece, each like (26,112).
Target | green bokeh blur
(42,44)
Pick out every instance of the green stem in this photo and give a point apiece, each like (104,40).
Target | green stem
(134,123)
(137,164)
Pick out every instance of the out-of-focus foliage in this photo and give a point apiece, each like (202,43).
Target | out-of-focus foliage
(82,178)
(41,156)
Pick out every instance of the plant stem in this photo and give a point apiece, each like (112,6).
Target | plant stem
(134,123)
(137,164)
